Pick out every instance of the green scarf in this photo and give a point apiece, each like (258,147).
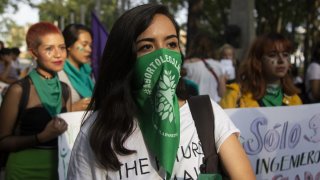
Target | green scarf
(80,79)
(273,96)
(156,76)
(49,92)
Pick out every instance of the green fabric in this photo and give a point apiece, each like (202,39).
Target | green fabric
(210,177)
(156,76)
(49,91)
(191,84)
(273,96)
(32,164)
(80,79)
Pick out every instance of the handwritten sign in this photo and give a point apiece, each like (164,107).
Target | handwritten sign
(66,140)
(282,142)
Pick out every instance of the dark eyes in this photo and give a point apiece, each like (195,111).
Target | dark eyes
(52,48)
(145,47)
(173,45)
(275,54)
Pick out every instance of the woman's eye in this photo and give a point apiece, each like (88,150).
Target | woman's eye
(145,47)
(48,49)
(285,54)
(173,45)
(271,55)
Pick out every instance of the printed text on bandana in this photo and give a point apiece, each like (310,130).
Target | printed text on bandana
(153,66)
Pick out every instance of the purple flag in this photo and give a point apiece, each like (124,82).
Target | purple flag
(100,36)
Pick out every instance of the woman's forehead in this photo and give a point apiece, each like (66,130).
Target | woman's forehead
(277,46)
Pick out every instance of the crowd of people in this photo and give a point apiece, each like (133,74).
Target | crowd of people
(138,106)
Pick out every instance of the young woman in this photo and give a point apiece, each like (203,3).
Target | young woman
(28,124)
(264,78)
(137,115)
(77,71)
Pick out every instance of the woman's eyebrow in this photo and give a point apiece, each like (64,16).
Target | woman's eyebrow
(152,39)
(146,39)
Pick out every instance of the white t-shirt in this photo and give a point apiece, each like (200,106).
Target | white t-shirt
(313,73)
(142,165)
(197,72)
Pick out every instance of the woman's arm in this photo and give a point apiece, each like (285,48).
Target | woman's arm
(234,159)
(81,105)
(8,117)
(315,89)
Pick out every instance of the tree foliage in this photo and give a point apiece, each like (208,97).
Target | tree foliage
(212,16)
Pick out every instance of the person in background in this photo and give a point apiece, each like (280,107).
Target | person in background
(7,73)
(312,79)
(264,78)
(136,91)
(15,52)
(228,62)
(77,72)
(29,126)
(203,69)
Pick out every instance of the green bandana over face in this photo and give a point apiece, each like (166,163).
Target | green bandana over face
(156,76)
(273,96)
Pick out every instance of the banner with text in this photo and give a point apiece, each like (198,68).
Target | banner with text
(66,140)
(282,142)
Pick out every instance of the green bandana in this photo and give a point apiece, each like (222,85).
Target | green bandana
(80,79)
(156,76)
(273,96)
(49,92)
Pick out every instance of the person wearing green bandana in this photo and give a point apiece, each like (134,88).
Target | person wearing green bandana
(29,125)
(264,78)
(140,128)
(77,72)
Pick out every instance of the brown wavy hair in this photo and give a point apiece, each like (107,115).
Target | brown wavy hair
(250,74)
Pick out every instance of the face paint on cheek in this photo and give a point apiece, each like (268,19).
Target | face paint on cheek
(80,48)
(273,61)
(49,53)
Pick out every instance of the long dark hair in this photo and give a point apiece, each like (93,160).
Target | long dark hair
(112,98)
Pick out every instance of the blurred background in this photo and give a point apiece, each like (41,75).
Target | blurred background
(235,22)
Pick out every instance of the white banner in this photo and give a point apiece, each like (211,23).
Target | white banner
(283,143)
(67,139)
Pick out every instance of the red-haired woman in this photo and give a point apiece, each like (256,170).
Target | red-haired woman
(263,77)
(28,124)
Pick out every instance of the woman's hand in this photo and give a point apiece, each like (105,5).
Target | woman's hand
(53,129)
(81,105)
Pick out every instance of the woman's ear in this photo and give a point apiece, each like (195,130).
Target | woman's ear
(33,53)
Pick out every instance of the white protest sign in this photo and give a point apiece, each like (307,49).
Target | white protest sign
(282,143)
(66,140)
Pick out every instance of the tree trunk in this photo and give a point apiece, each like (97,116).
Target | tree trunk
(194,12)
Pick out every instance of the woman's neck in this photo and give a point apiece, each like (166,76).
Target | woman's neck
(74,63)
(45,74)
(274,81)
(181,102)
